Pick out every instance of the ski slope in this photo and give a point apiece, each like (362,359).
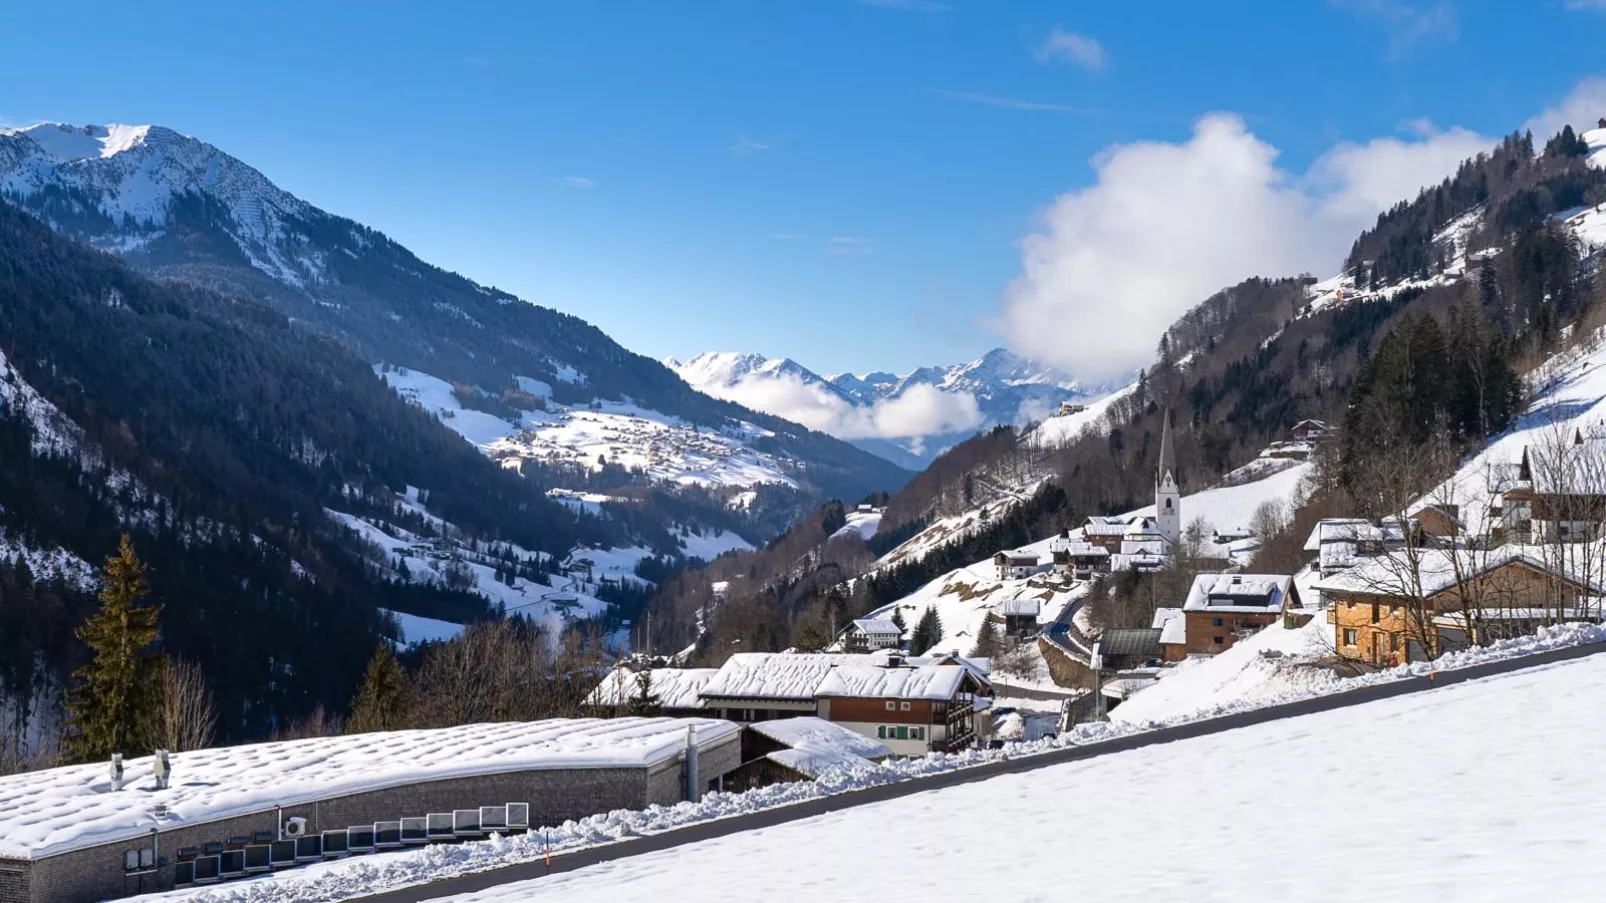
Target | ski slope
(1474,792)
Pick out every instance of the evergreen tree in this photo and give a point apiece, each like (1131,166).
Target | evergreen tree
(928,631)
(897,618)
(380,704)
(113,706)
(987,643)
(645,704)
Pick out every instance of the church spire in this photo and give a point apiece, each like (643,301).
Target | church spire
(1167,495)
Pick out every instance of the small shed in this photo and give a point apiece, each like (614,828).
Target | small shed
(1129,647)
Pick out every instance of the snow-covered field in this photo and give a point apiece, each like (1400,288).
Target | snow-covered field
(345,879)
(417,629)
(864,523)
(1471,792)
(962,598)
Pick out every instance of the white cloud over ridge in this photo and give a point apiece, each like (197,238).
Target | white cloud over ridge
(919,411)
(1165,225)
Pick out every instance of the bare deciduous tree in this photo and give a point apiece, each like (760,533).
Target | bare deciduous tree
(187,718)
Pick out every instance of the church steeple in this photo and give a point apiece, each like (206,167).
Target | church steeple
(1167,495)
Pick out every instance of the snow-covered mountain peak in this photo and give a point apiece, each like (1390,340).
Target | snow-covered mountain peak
(65,143)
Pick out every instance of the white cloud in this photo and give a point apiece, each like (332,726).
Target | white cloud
(1165,225)
(1582,108)
(578,182)
(745,146)
(920,411)
(910,6)
(1070,47)
(849,244)
(1010,103)
(1407,24)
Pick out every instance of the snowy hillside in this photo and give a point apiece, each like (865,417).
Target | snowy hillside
(665,448)
(963,597)
(908,418)
(1291,826)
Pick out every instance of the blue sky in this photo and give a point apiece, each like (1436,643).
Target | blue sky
(844,182)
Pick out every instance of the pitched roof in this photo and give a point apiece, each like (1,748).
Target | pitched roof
(1242,593)
(676,688)
(1437,570)
(1130,641)
(919,682)
(878,627)
(1019,607)
(1173,625)
(811,732)
(776,675)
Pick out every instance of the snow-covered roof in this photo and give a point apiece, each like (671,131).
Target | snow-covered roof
(1142,561)
(777,675)
(919,682)
(1241,593)
(1156,546)
(1173,625)
(809,732)
(979,666)
(1349,529)
(1026,607)
(1103,529)
(1017,555)
(1078,548)
(676,688)
(878,627)
(1436,570)
(43,813)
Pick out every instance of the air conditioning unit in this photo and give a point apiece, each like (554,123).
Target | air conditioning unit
(295,827)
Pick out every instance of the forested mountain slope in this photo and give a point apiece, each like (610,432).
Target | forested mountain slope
(219,435)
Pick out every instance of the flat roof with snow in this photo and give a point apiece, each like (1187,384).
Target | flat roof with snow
(57,810)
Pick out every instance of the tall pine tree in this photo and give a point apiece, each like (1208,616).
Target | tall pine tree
(380,704)
(112,708)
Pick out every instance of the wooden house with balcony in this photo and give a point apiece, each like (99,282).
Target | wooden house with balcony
(1079,558)
(1415,606)
(913,709)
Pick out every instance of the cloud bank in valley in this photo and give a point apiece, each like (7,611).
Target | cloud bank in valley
(919,411)
(1164,225)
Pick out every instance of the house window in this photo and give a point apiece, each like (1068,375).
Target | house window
(1215,622)
(1349,636)
(1375,607)
(904,706)
(1219,640)
(890,706)
(917,733)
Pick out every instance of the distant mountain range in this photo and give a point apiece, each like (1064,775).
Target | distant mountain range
(906,418)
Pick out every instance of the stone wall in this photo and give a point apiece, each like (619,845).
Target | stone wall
(555,796)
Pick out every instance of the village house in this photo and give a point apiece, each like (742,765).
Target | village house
(1309,430)
(870,634)
(1418,605)
(1173,626)
(1340,543)
(913,705)
(1019,615)
(1222,609)
(1124,648)
(1105,531)
(1559,497)
(1068,408)
(1016,565)
(1078,558)
(912,709)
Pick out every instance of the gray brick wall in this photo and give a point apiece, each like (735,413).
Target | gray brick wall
(96,873)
